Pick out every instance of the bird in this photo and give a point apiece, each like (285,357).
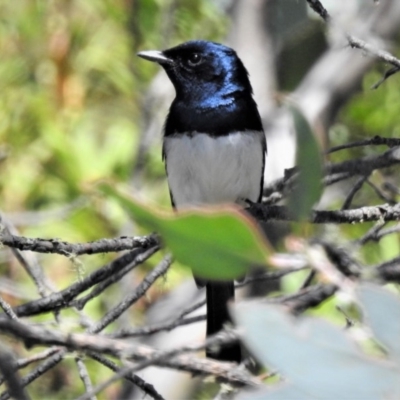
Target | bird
(214,147)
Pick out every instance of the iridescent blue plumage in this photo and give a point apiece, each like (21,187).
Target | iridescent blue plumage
(214,85)
(214,96)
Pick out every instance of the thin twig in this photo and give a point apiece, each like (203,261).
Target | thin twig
(62,299)
(10,374)
(7,309)
(374,141)
(389,271)
(24,362)
(85,342)
(366,165)
(371,233)
(386,75)
(115,312)
(353,41)
(221,338)
(374,51)
(150,330)
(307,282)
(384,232)
(39,371)
(101,286)
(319,9)
(269,276)
(192,308)
(312,296)
(84,375)
(135,379)
(357,186)
(33,269)
(379,192)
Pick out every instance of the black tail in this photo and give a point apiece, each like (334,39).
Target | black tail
(218,295)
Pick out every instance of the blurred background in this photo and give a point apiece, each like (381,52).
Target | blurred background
(77,106)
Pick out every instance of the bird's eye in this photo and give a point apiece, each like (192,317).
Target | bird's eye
(194,59)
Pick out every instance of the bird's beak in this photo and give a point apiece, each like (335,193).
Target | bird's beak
(156,56)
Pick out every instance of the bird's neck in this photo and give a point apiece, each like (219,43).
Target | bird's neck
(224,99)
(211,94)
(216,115)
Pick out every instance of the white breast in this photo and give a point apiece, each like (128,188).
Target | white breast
(210,170)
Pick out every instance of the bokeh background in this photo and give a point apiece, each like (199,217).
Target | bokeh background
(78,106)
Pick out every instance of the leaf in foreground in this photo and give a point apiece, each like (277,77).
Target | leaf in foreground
(316,359)
(308,189)
(218,242)
(382,311)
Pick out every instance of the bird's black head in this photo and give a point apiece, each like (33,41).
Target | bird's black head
(204,74)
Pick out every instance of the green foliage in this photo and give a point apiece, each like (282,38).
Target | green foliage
(375,112)
(319,360)
(217,242)
(369,113)
(309,188)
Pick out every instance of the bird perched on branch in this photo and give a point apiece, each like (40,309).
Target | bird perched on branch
(214,145)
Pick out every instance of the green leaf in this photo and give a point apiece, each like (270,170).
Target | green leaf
(318,360)
(309,188)
(218,242)
(382,309)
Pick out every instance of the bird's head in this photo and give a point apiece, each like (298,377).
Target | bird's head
(206,73)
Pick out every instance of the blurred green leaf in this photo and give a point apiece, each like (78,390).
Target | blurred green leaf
(317,359)
(309,188)
(219,243)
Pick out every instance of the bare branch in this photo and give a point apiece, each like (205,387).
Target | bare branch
(377,233)
(67,249)
(344,170)
(366,165)
(22,363)
(84,375)
(135,379)
(8,369)
(269,276)
(355,42)
(311,296)
(384,212)
(389,271)
(192,308)
(63,298)
(221,338)
(357,186)
(375,141)
(149,330)
(122,349)
(7,309)
(114,313)
(368,48)
(101,286)
(317,6)
(32,267)
(380,193)
(385,76)
(39,371)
